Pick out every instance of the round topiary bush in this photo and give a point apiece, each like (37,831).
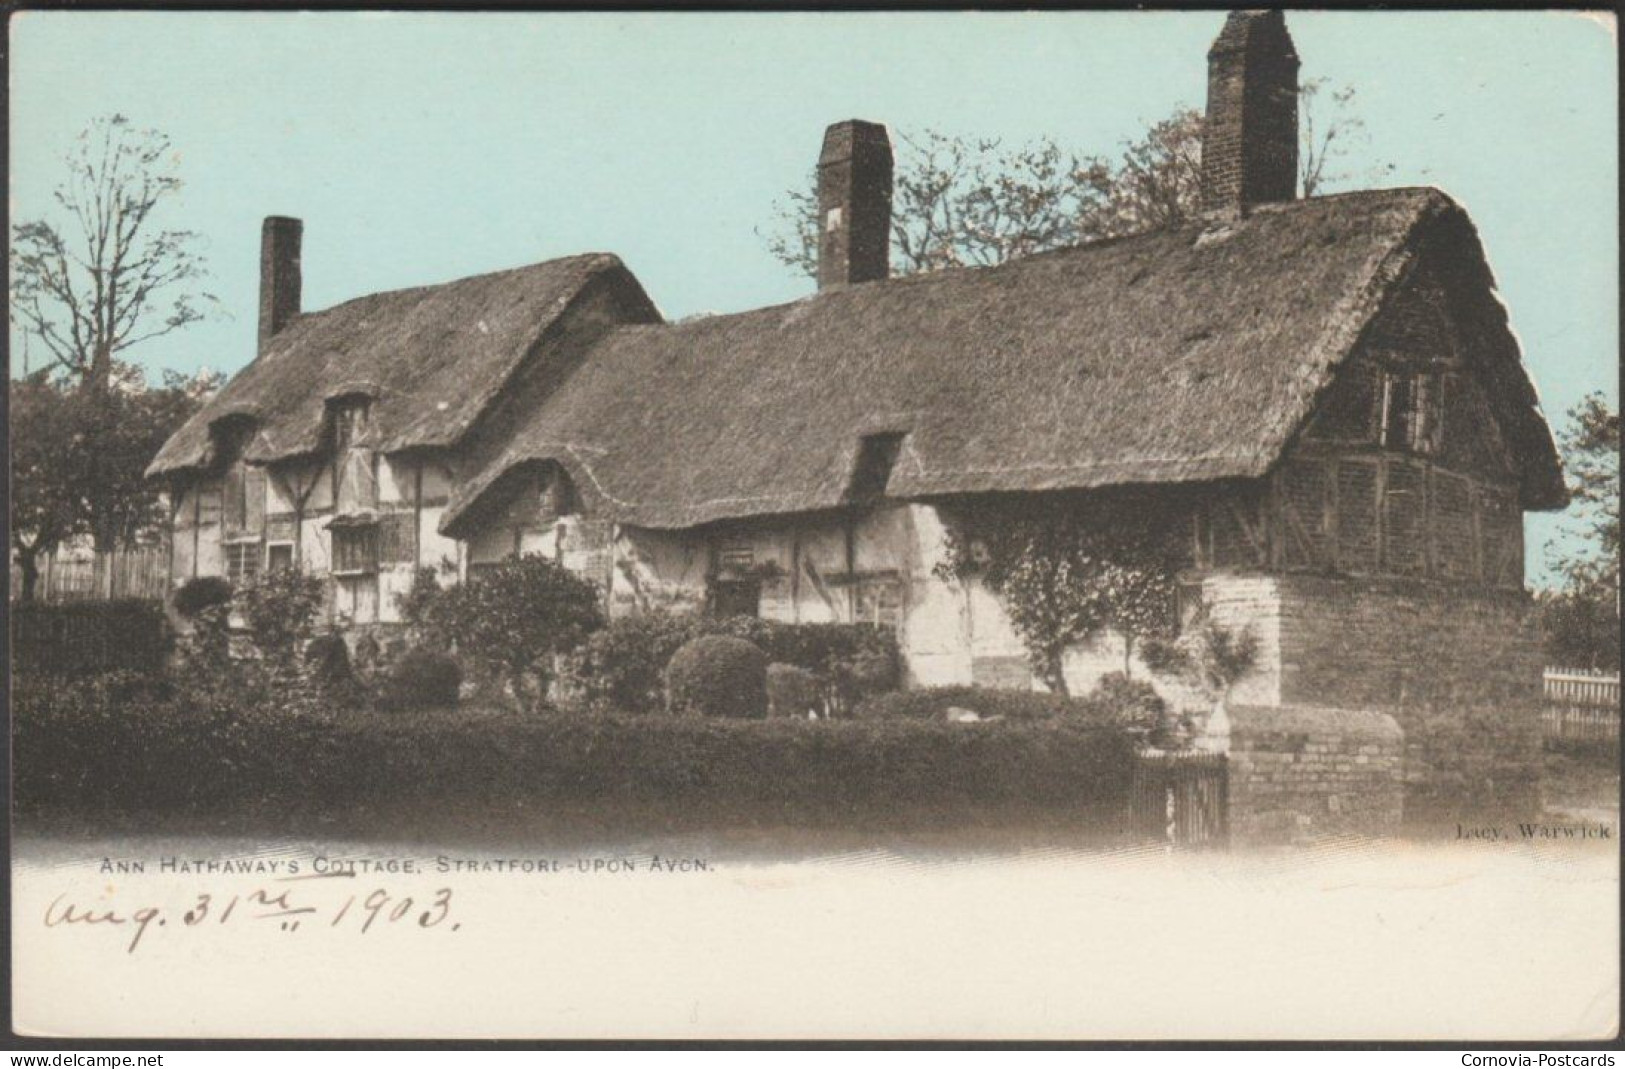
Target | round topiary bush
(793,691)
(717,675)
(421,679)
(204,592)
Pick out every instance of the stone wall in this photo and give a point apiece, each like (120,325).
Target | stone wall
(1299,773)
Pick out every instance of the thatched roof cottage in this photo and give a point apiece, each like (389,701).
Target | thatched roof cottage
(1327,389)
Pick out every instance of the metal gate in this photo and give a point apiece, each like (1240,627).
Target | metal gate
(1181,799)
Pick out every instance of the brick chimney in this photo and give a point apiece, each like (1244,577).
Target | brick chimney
(279,274)
(854,204)
(1250,138)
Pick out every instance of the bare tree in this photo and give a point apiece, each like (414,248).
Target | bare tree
(972,202)
(103,276)
(1330,131)
(109,276)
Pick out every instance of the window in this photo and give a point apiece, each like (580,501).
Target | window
(355,548)
(397,543)
(736,557)
(242,561)
(878,600)
(278,555)
(1411,411)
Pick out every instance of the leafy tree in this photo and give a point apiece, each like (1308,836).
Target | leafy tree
(1065,575)
(1580,630)
(124,429)
(515,622)
(45,508)
(79,460)
(1581,622)
(1591,446)
(961,201)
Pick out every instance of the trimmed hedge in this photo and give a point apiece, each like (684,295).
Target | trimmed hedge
(1124,708)
(77,639)
(933,703)
(76,754)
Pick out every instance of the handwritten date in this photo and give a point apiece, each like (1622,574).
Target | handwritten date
(277,905)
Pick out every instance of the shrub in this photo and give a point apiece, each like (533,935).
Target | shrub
(793,691)
(717,675)
(421,679)
(1207,654)
(417,604)
(203,592)
(328,659)
(280,607)
(516,621)
(84,638)
(623,666)
(1134,704)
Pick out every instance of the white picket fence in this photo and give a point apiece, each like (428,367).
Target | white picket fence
(1582,708)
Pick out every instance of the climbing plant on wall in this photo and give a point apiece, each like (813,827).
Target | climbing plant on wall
(1068,570)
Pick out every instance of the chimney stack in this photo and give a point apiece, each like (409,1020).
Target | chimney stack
(1250,137)
(279,274)
(854,204)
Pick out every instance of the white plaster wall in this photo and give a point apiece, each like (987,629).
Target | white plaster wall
(435,550)
(657,570)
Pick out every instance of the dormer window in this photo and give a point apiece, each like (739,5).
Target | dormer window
(877,454)
(355,477)
(242,485)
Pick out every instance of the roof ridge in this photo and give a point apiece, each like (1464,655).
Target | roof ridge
(941,275)
(606,259)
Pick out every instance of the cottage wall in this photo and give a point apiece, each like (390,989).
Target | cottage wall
(1460,670)
(874,567)
(292,521)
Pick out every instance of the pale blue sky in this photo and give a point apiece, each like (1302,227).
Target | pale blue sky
(423,147)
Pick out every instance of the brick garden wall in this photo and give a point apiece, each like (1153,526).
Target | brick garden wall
(1299,773)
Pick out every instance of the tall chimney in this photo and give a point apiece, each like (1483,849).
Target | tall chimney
(279,274)
(854,204)
(1250,138)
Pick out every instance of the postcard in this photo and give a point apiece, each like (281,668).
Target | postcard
(875,526)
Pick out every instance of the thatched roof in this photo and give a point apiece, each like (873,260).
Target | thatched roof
(432,358)
(1168,357)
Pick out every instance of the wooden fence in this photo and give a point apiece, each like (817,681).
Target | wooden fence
(122,573)
(1181,799)
(1582,710)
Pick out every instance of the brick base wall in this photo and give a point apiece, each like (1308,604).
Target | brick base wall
(1460,671)
(1298,774)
